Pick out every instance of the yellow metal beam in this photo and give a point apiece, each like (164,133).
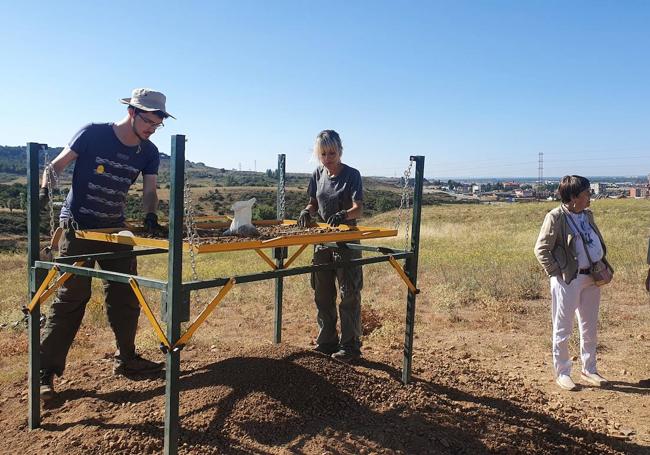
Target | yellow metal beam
(147,311)
(266,258)
(204,314)
(346,233)
(54,241)
(112,237)
(294,256)
(402,274)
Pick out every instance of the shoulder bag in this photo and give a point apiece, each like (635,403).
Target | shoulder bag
(598,270)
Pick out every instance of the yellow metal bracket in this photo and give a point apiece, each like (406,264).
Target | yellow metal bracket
(45,292)
(182,341)
(402,274)
(57,284)
(42,288)
(147,311)
(266,258)
(295,255)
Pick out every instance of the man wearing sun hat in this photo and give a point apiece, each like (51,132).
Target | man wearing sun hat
(108,158)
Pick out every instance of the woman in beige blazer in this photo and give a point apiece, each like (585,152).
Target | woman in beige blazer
(568,241)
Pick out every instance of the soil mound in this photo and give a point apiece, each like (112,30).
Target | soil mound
(283,399)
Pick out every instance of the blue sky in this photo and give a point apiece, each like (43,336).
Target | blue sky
(478,87)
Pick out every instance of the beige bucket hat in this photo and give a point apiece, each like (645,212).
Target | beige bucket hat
(148,100)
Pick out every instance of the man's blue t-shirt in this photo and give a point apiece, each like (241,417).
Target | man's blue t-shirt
(104,171)
(335,193)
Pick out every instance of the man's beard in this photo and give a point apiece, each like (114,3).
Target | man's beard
(136,131)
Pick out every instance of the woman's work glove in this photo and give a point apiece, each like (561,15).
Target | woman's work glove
(304,219)
(337,218)
(151,225)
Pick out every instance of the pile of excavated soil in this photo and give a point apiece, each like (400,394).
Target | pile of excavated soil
(282,399)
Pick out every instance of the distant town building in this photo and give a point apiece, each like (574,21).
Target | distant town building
(523,193)
(597,188)
(463,188)
(639,192)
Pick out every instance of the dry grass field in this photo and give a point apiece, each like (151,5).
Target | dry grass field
(482,318)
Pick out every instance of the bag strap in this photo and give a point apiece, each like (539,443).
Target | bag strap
(582,236)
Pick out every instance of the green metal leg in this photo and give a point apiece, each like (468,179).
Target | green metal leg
(280,254)
(408,337)
(34,278)
(34,368)
(277,317)
(174,293)
(172,393)
(411,267)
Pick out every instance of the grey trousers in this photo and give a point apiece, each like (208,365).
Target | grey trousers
(69,306)
(350,283)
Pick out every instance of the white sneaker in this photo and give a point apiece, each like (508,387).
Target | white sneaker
(595,379)
(565,382)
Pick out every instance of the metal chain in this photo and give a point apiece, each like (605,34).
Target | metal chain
(23,323)
(52,180)
(190,227)
(405,204)
(282,196)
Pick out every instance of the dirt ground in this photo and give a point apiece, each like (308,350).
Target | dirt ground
(474,390)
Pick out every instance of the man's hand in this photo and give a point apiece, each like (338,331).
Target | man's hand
(43,198)
(151,225)
(304,219)
(337,218)
(647,281)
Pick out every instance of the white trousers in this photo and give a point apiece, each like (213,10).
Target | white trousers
(582,298)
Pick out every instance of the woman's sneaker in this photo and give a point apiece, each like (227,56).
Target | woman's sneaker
(47,385)
(565,382)
(595,379)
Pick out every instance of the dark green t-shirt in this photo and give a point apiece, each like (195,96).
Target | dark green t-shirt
(335,193)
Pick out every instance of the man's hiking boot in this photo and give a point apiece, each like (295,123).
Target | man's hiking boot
(136,365)
(346,355)
(47,385)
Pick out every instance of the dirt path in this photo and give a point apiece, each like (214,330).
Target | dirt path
(286,399)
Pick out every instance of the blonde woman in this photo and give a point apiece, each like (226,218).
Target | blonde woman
(568,239)
(336,195)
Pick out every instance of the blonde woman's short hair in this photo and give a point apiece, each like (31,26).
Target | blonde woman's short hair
(325,141)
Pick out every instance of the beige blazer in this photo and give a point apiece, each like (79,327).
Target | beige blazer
(555,248)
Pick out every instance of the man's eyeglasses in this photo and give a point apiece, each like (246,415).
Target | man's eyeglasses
(151,123)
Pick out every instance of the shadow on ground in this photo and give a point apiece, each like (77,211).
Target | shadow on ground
(302,401)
